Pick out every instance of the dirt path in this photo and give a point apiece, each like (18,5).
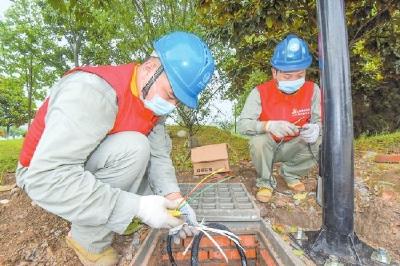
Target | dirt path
(377,202)
(31,236)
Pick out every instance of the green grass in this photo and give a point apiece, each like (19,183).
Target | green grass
(387,143)
(237,145)
(9,152)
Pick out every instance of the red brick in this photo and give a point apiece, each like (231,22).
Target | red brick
(250,253)
(232,254)
(267,257)
(223,241)
(387,158)
(203,255)
(176,247)
(179,256)
(388,195)
(247,240)
(214,263)
(217,263)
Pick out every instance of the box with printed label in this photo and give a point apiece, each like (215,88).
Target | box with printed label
(210,158)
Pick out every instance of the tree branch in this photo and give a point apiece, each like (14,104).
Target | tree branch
(367,26)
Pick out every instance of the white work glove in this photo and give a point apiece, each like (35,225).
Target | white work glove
(189,216)
(281,128)
(310,133)
(153,211)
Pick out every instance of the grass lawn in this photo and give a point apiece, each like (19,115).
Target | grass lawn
(9,152)
(238,147)
(385,143)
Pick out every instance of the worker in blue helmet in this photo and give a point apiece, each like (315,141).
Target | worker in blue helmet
(282,116)
(98,154)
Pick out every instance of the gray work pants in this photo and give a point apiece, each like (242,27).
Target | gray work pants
(294,155)
(120,161)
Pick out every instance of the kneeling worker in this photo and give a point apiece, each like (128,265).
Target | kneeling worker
(98,148)
(282,116)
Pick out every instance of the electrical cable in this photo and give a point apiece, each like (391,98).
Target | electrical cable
(205,188)
(312,154)
(169,250)
(196,244)
(271,178)
(199,236)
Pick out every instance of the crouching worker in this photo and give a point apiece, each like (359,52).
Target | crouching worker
(98,148)
(283,119)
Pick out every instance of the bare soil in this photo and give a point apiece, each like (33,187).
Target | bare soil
(32,236)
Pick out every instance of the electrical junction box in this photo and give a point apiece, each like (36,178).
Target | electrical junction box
(222,202)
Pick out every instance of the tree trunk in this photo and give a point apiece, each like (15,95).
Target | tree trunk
(30,90)
(77,49)
(235,115)
(7,131)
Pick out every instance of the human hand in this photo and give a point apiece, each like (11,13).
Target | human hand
(153,211)
(310,133)
(189,216)
(281,128)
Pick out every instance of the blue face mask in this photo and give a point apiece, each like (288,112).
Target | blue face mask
(291,86)
(159,106)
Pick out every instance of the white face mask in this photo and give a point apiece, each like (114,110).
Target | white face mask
(159,106)
(291,86)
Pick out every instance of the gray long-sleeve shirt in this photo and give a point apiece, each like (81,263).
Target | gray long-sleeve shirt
(81,111)
(249,123)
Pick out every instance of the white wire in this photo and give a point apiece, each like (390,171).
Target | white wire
(187,248)
(226,233)
(216,244)
(203,228)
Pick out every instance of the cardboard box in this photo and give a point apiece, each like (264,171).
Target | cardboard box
(209,158)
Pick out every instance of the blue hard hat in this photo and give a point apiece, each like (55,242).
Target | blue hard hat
(291,54)
(188,63)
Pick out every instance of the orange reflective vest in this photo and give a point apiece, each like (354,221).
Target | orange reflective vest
(294,108)
(131,116)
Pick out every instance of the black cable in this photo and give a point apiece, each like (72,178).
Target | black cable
(271,177)
(169,250)
(196,243)
(199,236)
(312,154)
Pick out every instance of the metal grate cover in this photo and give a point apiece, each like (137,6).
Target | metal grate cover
(223,202)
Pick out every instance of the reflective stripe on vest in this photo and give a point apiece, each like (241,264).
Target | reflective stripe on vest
(131,116)
(276,105)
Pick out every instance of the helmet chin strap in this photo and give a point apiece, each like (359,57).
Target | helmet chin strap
(151,81)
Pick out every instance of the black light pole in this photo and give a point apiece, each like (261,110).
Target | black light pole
(337,149)
(336,237)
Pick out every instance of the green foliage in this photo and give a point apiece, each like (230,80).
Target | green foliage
(57,35)
(387,143)
(27,51)
(237,145)
(9,152)
(256,77)
(13,132)
(375,97)
(251,29)
(13,103)
(115,31)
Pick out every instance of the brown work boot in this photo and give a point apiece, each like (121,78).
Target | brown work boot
(264,194)
(108,257)
(297,186)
